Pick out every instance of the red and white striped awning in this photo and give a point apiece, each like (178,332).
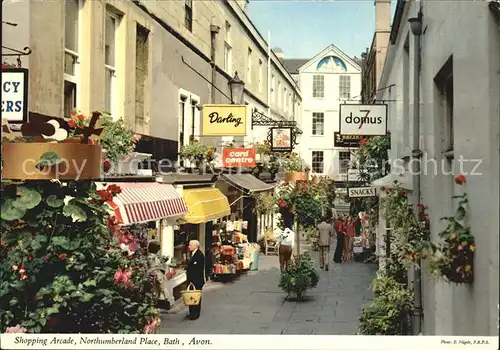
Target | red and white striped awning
(143,202)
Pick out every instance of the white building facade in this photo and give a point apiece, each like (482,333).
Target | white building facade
(459,114)
(327,80)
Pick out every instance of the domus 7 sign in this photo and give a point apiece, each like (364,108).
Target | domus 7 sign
(364,120)
(238,157)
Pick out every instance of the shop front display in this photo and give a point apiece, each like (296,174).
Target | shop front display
(244,185)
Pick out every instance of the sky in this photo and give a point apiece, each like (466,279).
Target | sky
(304,28)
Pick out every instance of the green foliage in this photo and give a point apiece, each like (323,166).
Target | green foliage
(197,152)
(389,312)
(62,266)
(264,202)
(372,158)
(117,140)
(303,202)
(292,162)
(48,159)
(299,277)
(410,233)
(454,258)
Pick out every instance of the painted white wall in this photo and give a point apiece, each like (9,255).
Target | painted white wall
(329,105)
(469,32)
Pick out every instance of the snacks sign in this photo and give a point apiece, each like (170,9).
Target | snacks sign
(224,120)
(238,157)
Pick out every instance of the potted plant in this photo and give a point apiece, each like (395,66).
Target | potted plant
(300,277)
(298,203)
(264,202)
(295,167)
(454,258)
(197,153)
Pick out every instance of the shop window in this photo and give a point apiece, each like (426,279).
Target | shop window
(318,163)
(69,98)
(182,235)
(141,71)
(344,161)
(110,34)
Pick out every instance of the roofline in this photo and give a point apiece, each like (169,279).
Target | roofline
(325,49)
(396,22)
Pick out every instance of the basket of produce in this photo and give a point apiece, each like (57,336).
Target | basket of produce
(191,296)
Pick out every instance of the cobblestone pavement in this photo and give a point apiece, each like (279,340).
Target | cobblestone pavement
(254,304)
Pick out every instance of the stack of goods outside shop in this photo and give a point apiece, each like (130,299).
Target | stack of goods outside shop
(231,251)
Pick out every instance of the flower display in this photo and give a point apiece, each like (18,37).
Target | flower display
(197,152)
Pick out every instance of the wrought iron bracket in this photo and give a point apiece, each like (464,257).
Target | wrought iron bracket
(14,52)
(260,119)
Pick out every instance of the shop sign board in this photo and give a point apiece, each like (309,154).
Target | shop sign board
(348,141)
(281,139)
(365,120)
(355,192)
(15,95)
(224,120)
(238,157)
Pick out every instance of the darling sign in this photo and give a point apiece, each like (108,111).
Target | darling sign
(224,120)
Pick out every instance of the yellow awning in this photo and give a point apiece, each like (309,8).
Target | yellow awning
(204,205)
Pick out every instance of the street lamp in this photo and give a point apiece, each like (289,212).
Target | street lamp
(237,87)
(416,24)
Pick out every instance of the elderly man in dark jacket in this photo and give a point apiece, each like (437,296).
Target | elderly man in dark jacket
(195,275)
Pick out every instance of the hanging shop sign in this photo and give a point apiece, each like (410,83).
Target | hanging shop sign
(238,157)
(224,120)
(348,141)
(281,139)
(365,120)
(15,95)
(355,192)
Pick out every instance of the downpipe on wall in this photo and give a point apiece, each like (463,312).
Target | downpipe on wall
(416,28)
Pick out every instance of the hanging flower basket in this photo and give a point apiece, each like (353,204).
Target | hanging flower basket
(296,176)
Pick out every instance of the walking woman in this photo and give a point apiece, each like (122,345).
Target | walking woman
(350,230)
(339,229)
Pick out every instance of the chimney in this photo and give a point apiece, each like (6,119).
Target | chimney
(279,53)
(382,16)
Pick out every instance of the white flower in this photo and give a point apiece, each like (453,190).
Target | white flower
(67,199)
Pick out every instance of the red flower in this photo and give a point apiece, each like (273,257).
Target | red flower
(114,189)
(61,256)
(402,193)
(105,195)
(106,165)
(420,205)
(46,257)
(81,117)
(209,154)
(30,258)
(460,179)
(362,141)
(71,123)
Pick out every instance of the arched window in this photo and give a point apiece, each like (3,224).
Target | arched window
(331,63)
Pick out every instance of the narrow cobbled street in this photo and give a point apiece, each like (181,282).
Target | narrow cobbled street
(254,304)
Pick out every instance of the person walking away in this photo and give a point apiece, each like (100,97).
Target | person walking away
(325,231)
(195,274)
(339,249)
(286,242)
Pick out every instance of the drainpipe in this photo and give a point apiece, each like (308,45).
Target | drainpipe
(214,30)
(416,28)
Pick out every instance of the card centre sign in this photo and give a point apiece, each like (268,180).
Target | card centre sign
(365,120)
(15,94)
(238,157)
(224,120)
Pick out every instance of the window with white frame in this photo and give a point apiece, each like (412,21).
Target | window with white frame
(279,94)
(317,164)
(182,123)
(318,86)
(188,14)
(141,70)
(261,76)
(227,49)
(285,100)
(110,33)
(344,161)
(72,11)
(249,65)
(318,123)
(345,86)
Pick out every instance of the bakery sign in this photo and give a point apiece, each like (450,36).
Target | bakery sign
(238,157)
(355,192)
(224,120)
(364,120)
(15,95)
